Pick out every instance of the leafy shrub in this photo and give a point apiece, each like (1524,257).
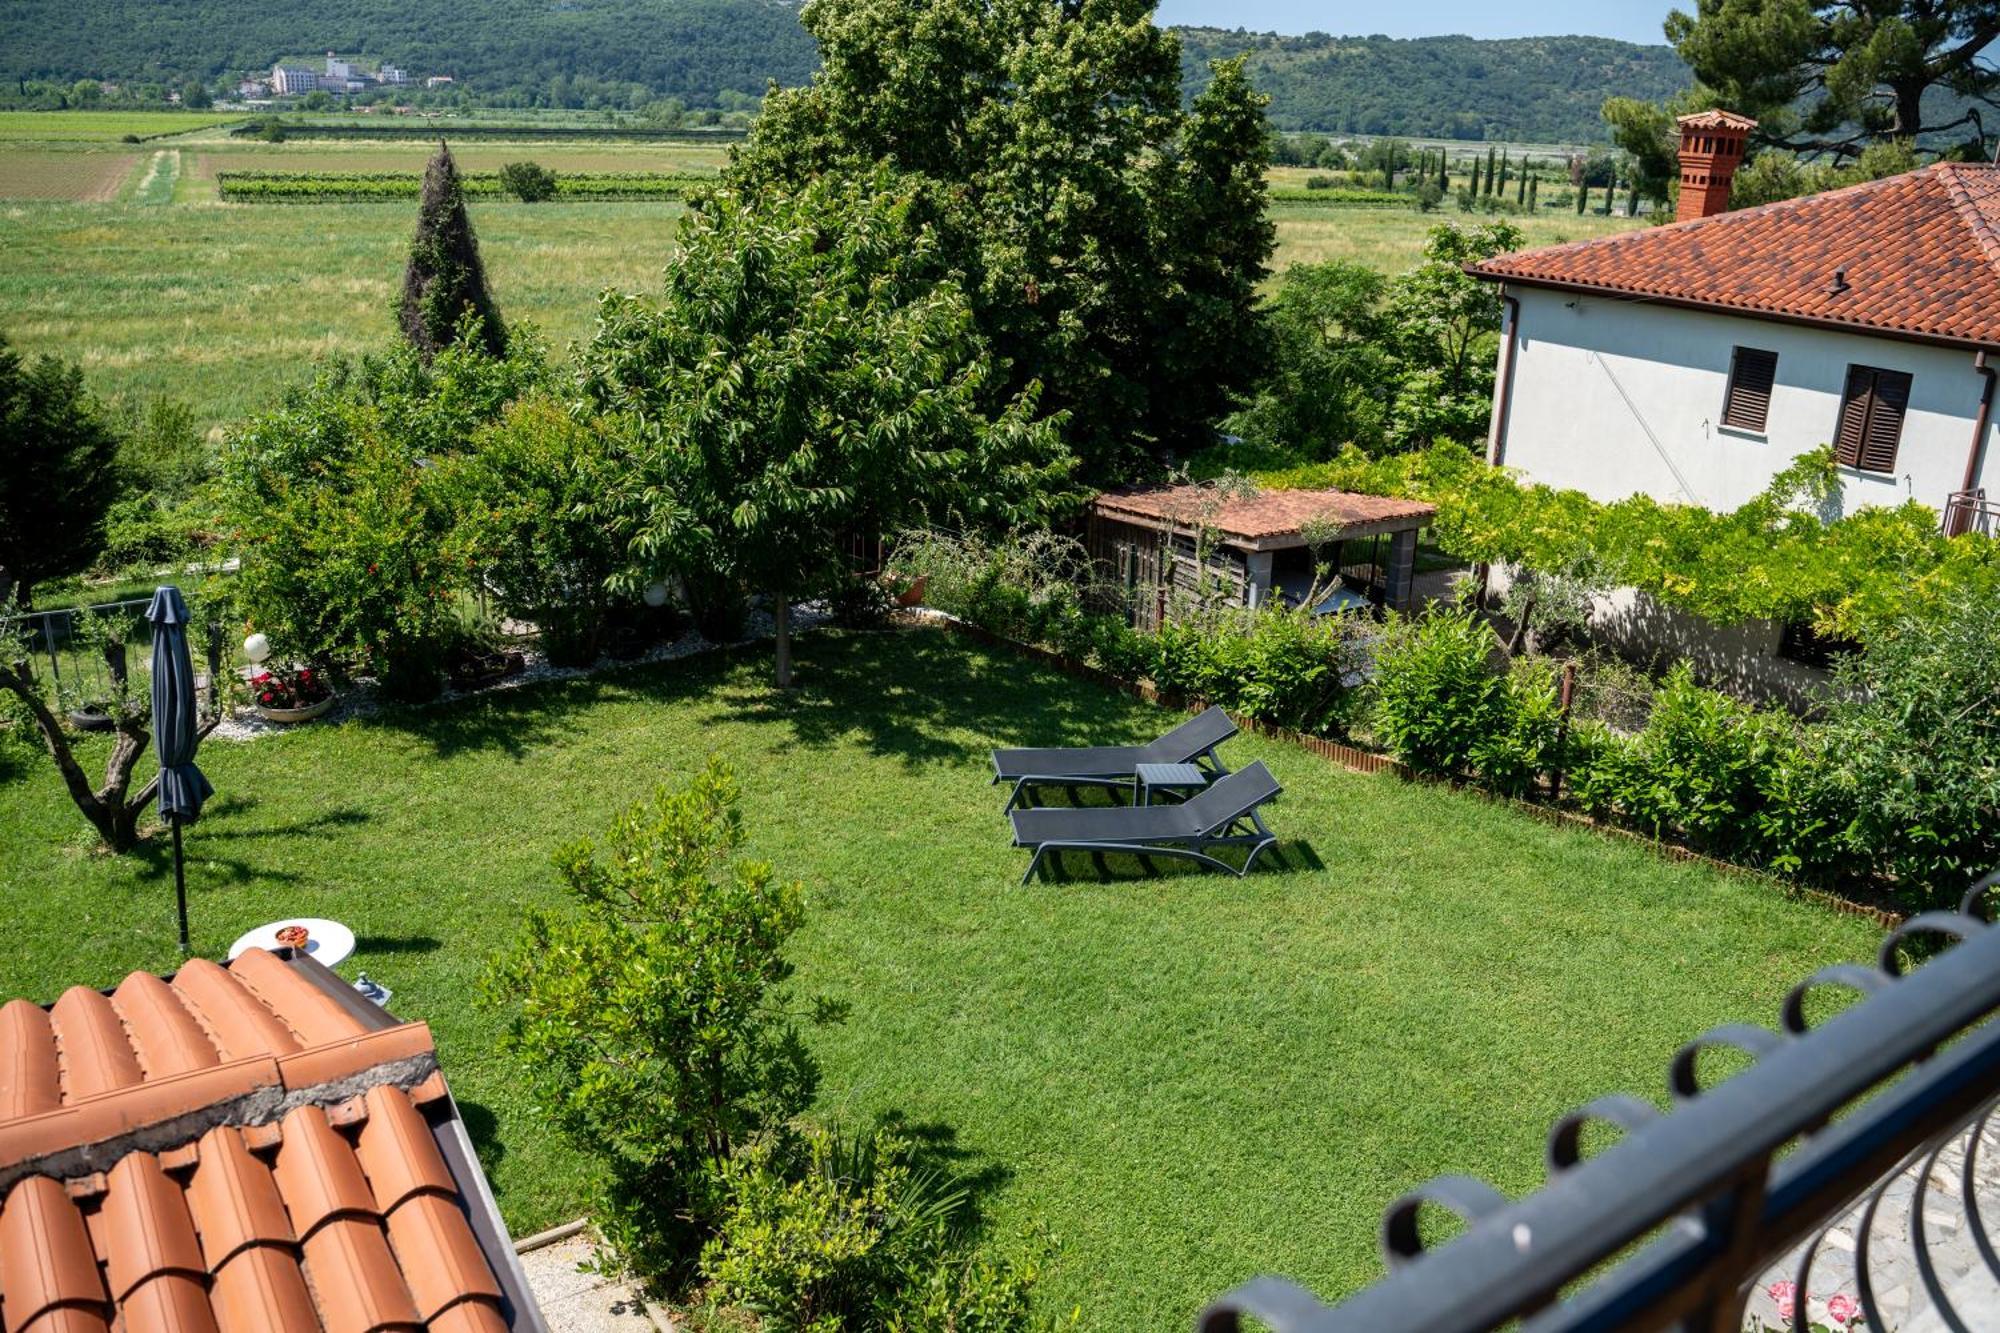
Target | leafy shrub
(1437,698)
(347,514)
(1320,182)
(1913,744)
(1289,668)
(651,1018)
(829,1234)
(1526,744)
(530,182)
(529,493)
(1703,770)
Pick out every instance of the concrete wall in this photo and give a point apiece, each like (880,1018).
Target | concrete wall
(1742,659)
(1616,398)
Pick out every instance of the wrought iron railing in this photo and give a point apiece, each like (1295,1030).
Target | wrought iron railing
(1971,511)
(74,673)
(1825,1124)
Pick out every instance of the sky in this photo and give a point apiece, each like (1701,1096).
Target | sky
(1632,20)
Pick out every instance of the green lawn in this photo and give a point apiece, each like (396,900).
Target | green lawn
(1192,1078)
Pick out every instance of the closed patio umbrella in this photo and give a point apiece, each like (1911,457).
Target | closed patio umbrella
(175,731)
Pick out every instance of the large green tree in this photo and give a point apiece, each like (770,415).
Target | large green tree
(806,378)
(58,472)
(1834,77)
(1110,241)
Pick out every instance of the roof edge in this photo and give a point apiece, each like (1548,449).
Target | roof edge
(1741,312)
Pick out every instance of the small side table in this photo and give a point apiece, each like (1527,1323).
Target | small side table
(327,942)
(1148,778)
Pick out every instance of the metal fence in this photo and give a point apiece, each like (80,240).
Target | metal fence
(1824,1124)
(1971,511)
(76,670)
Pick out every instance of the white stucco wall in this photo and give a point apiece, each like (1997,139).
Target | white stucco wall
(1615,398)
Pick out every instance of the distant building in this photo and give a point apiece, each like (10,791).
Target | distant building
(438,80)
(338,71)
(390,74)
(253,88)
(291,80)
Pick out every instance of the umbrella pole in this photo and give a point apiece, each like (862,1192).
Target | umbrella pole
(181,889)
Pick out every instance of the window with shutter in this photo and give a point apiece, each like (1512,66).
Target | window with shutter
(1871,418)
(1747,405)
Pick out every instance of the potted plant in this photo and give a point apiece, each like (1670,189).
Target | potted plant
(477,658)
(291,696)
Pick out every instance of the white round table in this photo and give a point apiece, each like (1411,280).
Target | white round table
(327,942)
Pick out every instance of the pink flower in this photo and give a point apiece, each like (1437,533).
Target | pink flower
(1784,1293)
(1843,1309)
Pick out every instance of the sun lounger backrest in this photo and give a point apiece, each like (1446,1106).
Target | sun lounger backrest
(1232,797)
(1199,734)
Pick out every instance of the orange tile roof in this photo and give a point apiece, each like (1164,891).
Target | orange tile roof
(1917,256)
(1265,515)
(250,1146)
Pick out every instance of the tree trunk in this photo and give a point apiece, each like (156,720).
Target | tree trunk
(1909,109)
(784,619)
(115,819)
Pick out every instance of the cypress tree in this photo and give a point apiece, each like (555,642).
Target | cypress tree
(1610,196)
(1444,173)
(444,280)
(1521,186)
(1582,197)
(1501,189)
(1491,163)
(1475,178)
(1534,188)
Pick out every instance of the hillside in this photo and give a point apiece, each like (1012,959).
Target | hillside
(618,52)
(1528,89)
(692,49)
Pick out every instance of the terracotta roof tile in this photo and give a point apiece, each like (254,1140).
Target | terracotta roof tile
(1262,516)
(239,1149)
(1918,256)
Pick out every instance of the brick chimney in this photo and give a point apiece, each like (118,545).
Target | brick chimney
(1711,150)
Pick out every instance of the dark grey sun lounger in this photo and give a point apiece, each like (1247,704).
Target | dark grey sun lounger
(1192,742)
(1222,815)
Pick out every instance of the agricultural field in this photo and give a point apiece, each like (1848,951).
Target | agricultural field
(105,126)
(126,260)
(39,173)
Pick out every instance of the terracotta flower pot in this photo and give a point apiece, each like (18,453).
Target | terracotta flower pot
(288,715)
(914,594)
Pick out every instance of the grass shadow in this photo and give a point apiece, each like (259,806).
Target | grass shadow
(515,721)
(938,698)
(935,1148)
(1287,857)
(483,1128)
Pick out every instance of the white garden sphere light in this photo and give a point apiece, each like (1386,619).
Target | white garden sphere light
(655,595)
(256,647)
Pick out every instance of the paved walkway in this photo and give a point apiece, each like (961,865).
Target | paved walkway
(577,1302)
(1972,1289)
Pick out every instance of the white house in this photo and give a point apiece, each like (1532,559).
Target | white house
(291,80)
(1694,361)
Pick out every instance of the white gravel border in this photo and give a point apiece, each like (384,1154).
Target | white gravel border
(361,699)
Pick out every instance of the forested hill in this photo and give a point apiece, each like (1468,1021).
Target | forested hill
(1527,89)
(599,52)
(529,49)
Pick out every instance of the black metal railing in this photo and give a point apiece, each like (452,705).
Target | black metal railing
(1907,1077)
(1971,511)
(76,670)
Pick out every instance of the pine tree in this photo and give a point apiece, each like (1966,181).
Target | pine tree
(444,280)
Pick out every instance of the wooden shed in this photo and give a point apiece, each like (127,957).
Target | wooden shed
(1149,542)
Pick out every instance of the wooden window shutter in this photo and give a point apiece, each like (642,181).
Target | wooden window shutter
(1751,374)
(1885,421)
(1871,419)
(1853,416)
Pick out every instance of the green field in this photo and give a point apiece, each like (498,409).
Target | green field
(124,259)
(104,126)
(1192,1078)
